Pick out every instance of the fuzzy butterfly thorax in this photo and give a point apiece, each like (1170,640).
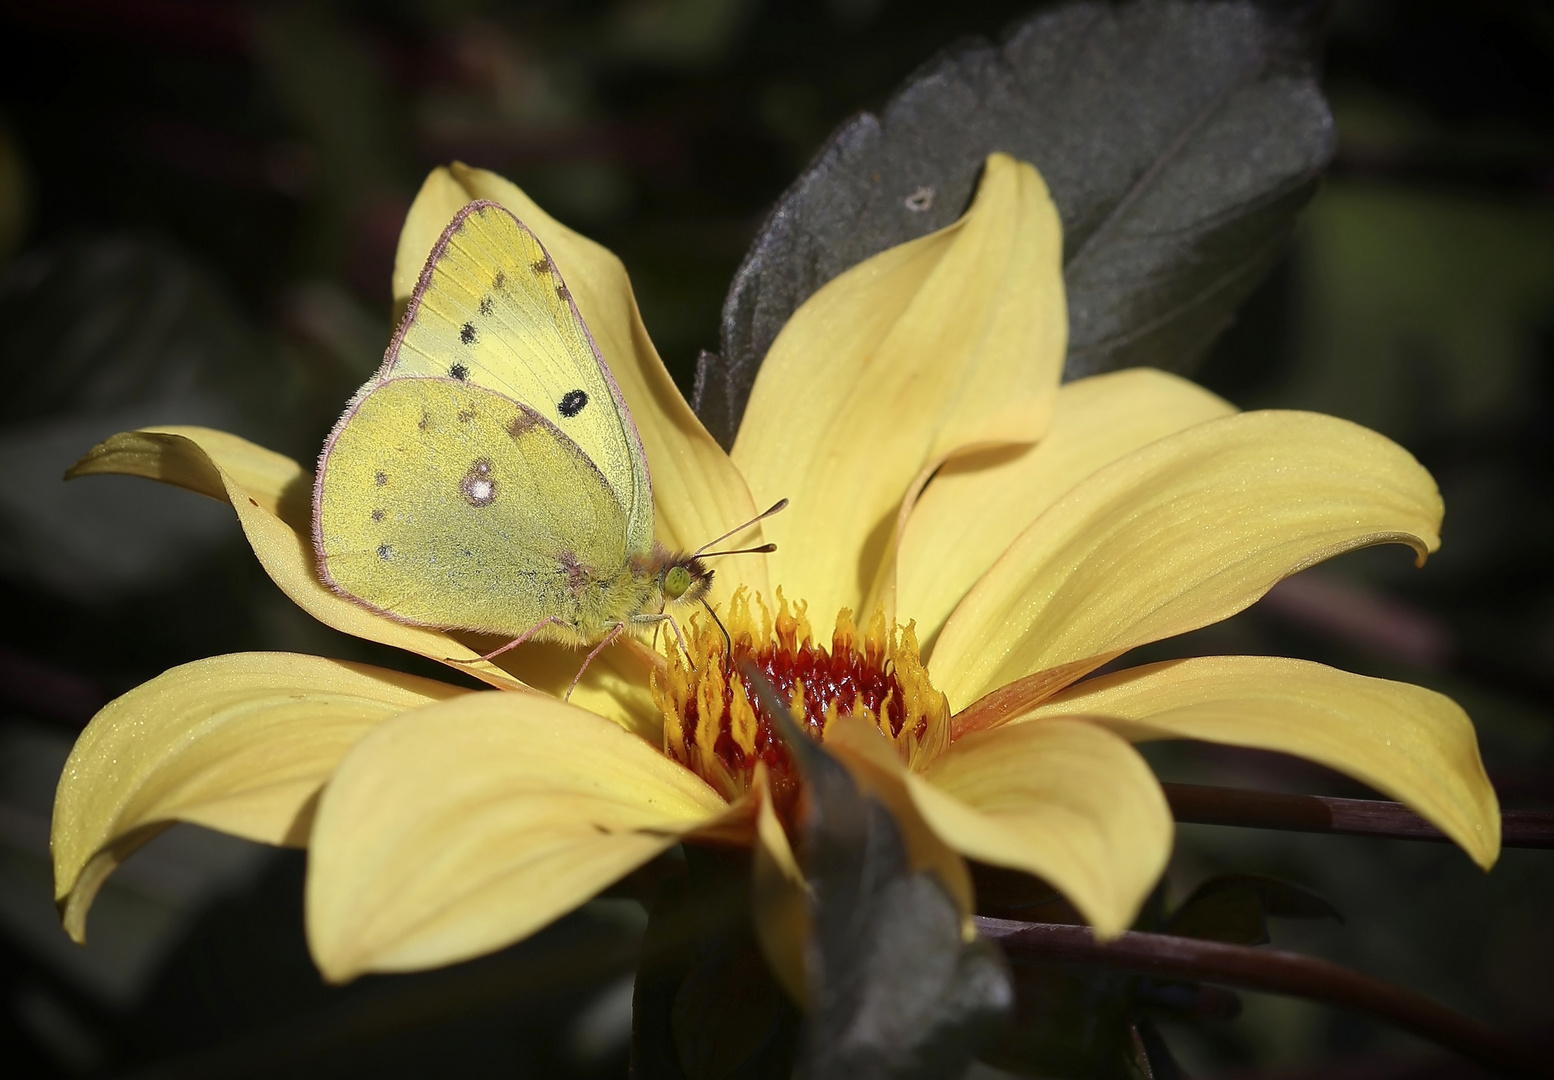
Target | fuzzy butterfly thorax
(638,597)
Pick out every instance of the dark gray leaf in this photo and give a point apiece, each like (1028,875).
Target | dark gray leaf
(714,394)
(897,994)
(1178,139)
(704,1007)
(727,1010)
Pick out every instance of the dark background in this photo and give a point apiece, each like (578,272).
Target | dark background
(198,209)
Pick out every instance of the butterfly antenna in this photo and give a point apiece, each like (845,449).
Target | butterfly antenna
(779,505)
(764,549)
(727,641)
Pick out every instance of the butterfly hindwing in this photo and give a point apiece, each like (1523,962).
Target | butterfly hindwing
(492,310)
(451,505)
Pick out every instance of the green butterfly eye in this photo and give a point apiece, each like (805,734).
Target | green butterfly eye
(676,582)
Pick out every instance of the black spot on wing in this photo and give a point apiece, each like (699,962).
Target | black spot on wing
(467,333)
(379,515)
(459,371)
(385,552)
(486,306)
(381,478)
(572,403)
(561,291)
(499,281)
(540,266)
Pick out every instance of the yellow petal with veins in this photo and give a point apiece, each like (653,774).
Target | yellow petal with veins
(615,686)
(1413,744)
(239,743)
(978,504)
(948,342)
(697,491)
(1185,532)
(1065,800)
(467,825)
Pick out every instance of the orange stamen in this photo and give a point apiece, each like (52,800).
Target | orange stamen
(715,724)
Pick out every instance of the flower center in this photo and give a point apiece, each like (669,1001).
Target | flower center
(715,724)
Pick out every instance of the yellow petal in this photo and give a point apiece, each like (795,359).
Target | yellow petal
(948,342)
(615,686)
(467,825)
(1182,533)
(440,198)
(697,491)
(978,504)
(877,769)
(275,515)
(1410,743)
(239,743)
(779,898)
(280,486)
(1064,800)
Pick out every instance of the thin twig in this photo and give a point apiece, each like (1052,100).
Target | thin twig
(1200,805)
(1270,971)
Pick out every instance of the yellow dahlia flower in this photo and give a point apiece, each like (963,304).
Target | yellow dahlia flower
(997,536)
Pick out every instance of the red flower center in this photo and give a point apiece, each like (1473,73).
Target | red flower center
(715,724)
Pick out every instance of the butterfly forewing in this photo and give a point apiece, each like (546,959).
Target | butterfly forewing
(491,310)
(450,505)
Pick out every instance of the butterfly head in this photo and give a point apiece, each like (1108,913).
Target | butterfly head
(685,579)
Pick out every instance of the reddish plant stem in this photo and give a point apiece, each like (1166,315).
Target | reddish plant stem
(1269,970)
(1199,805)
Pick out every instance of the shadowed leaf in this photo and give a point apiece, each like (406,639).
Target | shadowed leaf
(1235,908)
(897,993)
(704,1006)
(1178,140)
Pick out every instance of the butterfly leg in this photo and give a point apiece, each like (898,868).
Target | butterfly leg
(599,648)
(659,620)
(513,644)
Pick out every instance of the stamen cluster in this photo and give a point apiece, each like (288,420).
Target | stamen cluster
(715,724)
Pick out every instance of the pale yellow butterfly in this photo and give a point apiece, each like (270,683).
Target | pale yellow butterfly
(489,477)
